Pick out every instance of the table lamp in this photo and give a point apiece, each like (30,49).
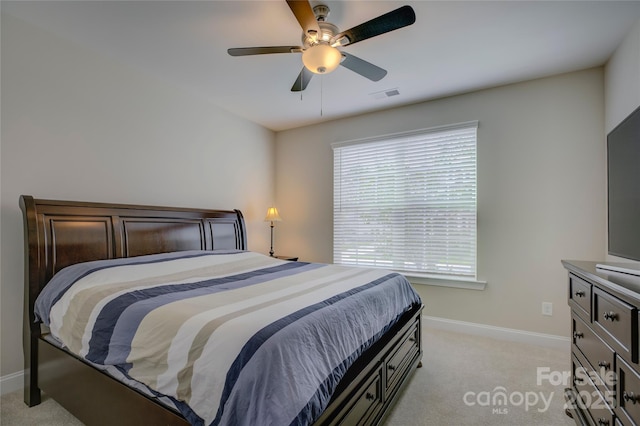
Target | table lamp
(272,216)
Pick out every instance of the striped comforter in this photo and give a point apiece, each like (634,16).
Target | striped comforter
(233,338)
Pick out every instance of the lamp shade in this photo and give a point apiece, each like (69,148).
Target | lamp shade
(321,58)
(272,215)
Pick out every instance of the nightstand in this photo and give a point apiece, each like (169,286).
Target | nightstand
(290,258)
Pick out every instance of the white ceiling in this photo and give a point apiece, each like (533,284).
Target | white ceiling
(454,47)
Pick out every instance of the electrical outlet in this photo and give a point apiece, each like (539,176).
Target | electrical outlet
(547,308)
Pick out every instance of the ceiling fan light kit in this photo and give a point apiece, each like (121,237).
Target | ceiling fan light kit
(321,58)
(321,39)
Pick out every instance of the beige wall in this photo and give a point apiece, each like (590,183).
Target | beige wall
(622,80)
(78,126)
(541,180)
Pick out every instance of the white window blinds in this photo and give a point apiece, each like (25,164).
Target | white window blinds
(407,202)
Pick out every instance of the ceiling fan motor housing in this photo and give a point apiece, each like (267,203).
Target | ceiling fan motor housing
(327,31)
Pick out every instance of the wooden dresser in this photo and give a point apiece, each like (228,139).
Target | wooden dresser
(605,380)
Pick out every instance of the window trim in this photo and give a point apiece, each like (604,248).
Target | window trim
(445,281)
(398,135)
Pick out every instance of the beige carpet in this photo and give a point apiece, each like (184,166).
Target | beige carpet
(462,374)
(458,384)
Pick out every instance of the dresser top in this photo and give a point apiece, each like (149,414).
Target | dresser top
(623,285)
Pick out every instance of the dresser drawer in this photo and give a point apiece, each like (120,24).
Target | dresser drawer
(588,398)
(600,411)
(601,358)
(617,322)
(400,361)
(579,379)
(628,407)
(580,296)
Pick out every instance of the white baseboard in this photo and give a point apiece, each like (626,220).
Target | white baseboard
(501,333)
(11,382)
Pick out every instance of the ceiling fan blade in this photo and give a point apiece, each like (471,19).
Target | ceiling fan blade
(305,16)
(245,51)
(390,21)
(302,81)
(362,67)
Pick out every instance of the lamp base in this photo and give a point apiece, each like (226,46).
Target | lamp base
(271,252)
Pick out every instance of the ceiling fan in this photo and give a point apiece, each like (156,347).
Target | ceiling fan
(321,40)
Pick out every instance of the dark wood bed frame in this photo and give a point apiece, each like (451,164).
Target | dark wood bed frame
(62,233)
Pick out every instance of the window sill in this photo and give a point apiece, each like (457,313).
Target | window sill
(453,282)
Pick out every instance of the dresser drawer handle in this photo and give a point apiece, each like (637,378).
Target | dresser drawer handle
(578,335)
(370,396)
(604,364)
(610,316)
(391,367)
(630,397)
(603,421)
(578,380)
(580,293)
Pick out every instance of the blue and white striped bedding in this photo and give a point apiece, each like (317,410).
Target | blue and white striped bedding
(234,338)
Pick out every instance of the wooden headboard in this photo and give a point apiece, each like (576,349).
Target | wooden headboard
(62,233)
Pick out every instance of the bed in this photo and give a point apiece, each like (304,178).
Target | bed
(68,236)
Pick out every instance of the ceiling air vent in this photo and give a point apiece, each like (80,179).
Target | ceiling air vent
(385,93)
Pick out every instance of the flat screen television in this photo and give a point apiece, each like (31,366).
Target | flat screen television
(623,188)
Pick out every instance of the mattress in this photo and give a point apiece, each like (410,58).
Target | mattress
(230,337)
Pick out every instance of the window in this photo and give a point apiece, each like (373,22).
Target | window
(407,202)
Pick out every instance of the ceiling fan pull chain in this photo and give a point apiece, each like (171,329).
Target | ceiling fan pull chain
(321,92)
